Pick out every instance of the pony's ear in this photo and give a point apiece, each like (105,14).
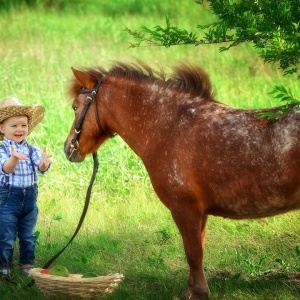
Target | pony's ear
(84,79)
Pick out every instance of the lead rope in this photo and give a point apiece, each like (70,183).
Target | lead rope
(85,208)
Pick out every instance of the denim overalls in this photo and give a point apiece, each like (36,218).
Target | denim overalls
(18,217)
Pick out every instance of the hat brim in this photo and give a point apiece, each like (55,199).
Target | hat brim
(34,113)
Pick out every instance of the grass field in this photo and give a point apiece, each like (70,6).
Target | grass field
(127,229)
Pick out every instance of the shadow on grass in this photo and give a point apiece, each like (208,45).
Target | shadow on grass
(273,286)
(150,286)
(150,273)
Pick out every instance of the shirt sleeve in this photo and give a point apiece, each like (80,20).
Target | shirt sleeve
(3,158)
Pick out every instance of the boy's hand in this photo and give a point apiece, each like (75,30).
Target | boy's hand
(45,161)
(17,155)
(11,163)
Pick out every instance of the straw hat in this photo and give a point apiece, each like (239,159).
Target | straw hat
(12,107)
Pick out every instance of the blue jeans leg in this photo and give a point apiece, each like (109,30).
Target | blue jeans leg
(18,217)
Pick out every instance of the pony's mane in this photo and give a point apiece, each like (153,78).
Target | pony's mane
(186,78)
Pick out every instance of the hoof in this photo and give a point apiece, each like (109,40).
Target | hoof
(185,296)
(198,295)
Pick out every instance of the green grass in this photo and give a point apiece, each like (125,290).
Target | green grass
(127,229)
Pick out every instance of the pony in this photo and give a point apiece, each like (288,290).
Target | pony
(203,157)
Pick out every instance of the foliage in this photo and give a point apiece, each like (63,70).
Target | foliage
(170,36)
(108,7)
(7,5)
(283,94)
(272,26)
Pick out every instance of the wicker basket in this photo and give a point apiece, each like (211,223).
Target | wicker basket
(74,285)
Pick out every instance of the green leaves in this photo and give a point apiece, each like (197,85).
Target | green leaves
(159,36)
(285,95)
(272,26)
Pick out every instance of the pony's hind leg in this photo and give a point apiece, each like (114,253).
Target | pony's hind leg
(192,228)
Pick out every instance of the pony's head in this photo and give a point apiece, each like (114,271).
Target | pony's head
(86,133)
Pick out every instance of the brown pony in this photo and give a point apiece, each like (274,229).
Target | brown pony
(203,157)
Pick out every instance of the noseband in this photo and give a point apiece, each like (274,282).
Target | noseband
(74,142)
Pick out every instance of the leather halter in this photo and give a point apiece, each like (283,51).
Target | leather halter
(74,142)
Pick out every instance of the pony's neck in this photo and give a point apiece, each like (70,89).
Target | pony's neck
(133,110)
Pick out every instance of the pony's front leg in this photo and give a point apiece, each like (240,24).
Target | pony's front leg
(192,229)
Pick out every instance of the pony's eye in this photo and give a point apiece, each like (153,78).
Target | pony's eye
(74,107)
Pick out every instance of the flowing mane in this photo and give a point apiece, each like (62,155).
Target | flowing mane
(186,78)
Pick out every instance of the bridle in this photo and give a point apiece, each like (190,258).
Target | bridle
(74,142)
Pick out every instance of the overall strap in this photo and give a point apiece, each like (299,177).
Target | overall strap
(33,168)
(6,175)
(30,156)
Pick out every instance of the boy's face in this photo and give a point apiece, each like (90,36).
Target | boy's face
(15,128)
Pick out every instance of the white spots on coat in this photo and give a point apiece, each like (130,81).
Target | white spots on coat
(287,136)
(174,176)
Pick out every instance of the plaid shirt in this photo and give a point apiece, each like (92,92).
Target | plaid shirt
(23,175)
